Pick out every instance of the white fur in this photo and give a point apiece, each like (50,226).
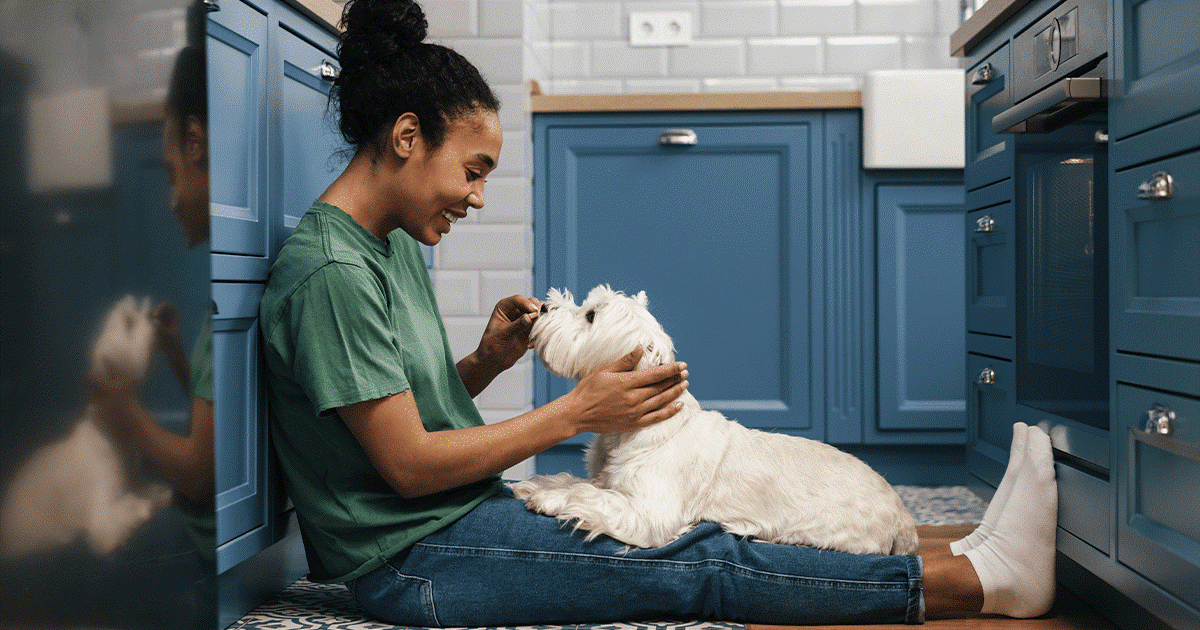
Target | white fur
(648,487)
(81,486)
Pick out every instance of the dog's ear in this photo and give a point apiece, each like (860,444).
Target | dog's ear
(640,298)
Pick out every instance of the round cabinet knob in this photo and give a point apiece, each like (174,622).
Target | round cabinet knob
(1159,186)
(985,224)
(987,377)
(1159,420)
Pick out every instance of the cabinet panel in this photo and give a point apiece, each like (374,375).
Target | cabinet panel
(1159,535)
(990,270)
(1156,63)
(989,156)
(990,413)
(237,97)
(309,138)
(733,213)
(240,414)
(1156,289)
(920,307)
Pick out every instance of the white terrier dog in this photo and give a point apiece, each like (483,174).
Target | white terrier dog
(648,487)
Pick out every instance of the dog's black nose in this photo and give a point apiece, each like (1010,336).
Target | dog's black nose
(545,309)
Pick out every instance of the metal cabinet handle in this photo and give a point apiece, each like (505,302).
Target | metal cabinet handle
(1053,106)
(1159,186)
(327,71)
(985,224)
(987,377)
(212,5)
(983,75)
(685,137)
(1159,420)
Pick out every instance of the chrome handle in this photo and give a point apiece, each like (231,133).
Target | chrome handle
(212,5)
(985,224)
(1159,420)
(1159,186)
(982,75)
(327,71)
(987,377)
(1053,107)
(684,137)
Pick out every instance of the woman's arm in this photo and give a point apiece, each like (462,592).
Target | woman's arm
(416,462)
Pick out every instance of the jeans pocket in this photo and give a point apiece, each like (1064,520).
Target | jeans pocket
(396,598)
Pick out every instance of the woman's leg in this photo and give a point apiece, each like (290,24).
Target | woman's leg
(504,565)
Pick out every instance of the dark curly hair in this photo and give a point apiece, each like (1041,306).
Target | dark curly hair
(187,94)
(388,69)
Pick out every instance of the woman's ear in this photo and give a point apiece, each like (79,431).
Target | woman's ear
(405,134)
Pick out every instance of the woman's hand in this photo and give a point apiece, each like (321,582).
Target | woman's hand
(505,340)
(619,398)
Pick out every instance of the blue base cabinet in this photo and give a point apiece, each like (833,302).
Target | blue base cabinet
(756,247)
(273,150)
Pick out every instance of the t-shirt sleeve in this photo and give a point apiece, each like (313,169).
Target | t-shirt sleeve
(344,346)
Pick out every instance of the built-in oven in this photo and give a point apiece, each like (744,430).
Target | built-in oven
(1059,116)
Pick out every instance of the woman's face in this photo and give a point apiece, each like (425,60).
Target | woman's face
(186,156)
(438,186)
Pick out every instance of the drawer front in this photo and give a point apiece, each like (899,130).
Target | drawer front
(1155,257)
(989,156)
(990,415)
(990,236)
(1158,532)
(1156,64)
(1085,506)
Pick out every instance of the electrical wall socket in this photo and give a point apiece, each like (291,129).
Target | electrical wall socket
(660,28)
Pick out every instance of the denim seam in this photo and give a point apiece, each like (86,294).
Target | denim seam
(916,596)
(426,592)
(858,585)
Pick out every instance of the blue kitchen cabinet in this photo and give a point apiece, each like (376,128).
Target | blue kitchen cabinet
(237,120)
(718,233)
(988,92)
(920,315)
(1154,64)
(273,150)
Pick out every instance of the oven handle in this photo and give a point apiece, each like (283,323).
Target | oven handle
(1053,107)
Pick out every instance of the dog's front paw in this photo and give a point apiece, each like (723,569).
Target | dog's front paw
(546,494)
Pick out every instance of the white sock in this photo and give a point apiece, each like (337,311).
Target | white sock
(1016,459)
(1015,563)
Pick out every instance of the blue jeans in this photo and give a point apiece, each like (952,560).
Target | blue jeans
(502,565)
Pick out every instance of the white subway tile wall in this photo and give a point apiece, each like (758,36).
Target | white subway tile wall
(582,47)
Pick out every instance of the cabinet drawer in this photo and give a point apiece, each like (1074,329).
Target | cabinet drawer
(990,415)
(990,270)
(989,156)
(1155,285)
(1158,533)
(1156,64)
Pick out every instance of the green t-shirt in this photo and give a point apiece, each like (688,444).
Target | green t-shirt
(347,317)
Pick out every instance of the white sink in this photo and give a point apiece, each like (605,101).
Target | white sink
(913,119)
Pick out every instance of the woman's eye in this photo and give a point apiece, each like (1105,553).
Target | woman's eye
(591,316)
(472,175)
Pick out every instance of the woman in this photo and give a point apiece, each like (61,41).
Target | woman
(394,475)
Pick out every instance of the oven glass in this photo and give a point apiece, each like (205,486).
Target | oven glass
(1062,274)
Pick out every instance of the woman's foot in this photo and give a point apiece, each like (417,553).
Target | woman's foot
(1016,459)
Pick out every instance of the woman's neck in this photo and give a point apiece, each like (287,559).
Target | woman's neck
(357,193)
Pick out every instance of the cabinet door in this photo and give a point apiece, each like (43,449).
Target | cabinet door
(920,307)
(308,155)
(1158,533)
(1155,64)
(1155,283)
(990,298)
(240,424)
(990,411)
(716,233)
(989,155)
(237,110)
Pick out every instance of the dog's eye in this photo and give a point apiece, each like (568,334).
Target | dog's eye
(591,316)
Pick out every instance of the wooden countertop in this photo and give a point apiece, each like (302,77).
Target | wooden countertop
(325,13)
(712,101)
(986,20)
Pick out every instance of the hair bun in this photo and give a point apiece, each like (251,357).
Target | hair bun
(402,21)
